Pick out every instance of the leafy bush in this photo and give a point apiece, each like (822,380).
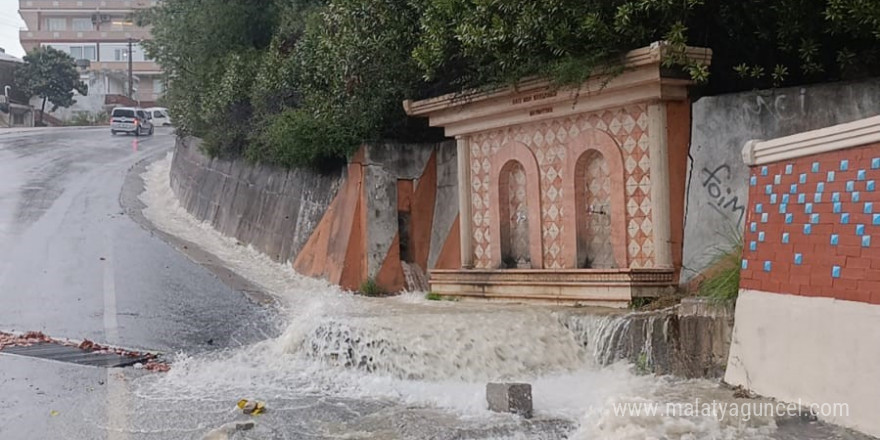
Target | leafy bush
(304,82)
(88,118)
(370,288)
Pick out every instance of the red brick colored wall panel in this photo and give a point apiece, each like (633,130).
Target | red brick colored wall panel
(813,226)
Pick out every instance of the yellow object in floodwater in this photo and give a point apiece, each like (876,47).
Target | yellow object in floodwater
(251,407)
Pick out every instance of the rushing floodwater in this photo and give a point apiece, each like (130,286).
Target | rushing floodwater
(352,367)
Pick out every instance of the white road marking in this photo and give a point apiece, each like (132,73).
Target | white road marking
(117,389)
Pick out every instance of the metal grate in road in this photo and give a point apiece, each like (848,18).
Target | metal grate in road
(74,355)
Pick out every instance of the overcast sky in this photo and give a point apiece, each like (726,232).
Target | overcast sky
(10,23)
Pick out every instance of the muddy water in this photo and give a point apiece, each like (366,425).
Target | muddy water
(354,367)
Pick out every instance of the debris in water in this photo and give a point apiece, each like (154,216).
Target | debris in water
(741,392)
(54,413)
(157,366)
(25,340)
(251,407)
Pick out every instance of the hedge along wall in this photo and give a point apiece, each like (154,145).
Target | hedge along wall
(808,313)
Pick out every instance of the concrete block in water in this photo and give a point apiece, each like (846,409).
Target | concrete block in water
(510,397)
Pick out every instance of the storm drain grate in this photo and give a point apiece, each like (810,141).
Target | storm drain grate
(74,355)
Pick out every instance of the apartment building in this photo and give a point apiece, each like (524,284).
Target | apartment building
(97,34)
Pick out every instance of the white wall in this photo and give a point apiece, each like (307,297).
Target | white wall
(813,349)
(108,52)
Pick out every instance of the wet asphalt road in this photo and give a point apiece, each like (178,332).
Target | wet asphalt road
(74,264)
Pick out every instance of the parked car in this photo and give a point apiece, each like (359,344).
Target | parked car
(130,120)
(160,116)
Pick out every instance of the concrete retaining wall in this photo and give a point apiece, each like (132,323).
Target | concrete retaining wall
(273,209)
(717,189)
(346,227)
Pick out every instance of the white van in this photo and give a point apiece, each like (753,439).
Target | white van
(160,116)
(130,120)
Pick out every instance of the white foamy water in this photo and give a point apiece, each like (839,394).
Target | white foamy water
(410,353)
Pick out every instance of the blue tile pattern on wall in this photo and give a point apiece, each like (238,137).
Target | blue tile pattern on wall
(785,185)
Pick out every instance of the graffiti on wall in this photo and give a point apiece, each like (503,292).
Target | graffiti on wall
(720,189)
(781,107)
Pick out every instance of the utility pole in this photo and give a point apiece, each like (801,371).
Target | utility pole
(130,74)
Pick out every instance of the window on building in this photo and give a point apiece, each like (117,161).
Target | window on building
(158,86)
(56,24)
(83,53)
(82,24)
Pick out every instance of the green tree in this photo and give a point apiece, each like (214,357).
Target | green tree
(208,50)
(50,75)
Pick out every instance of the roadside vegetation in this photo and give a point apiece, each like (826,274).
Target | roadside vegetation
(721,282)
(305,82)
(51,75)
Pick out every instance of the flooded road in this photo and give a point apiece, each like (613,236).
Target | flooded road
(406,367)
(328,364)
